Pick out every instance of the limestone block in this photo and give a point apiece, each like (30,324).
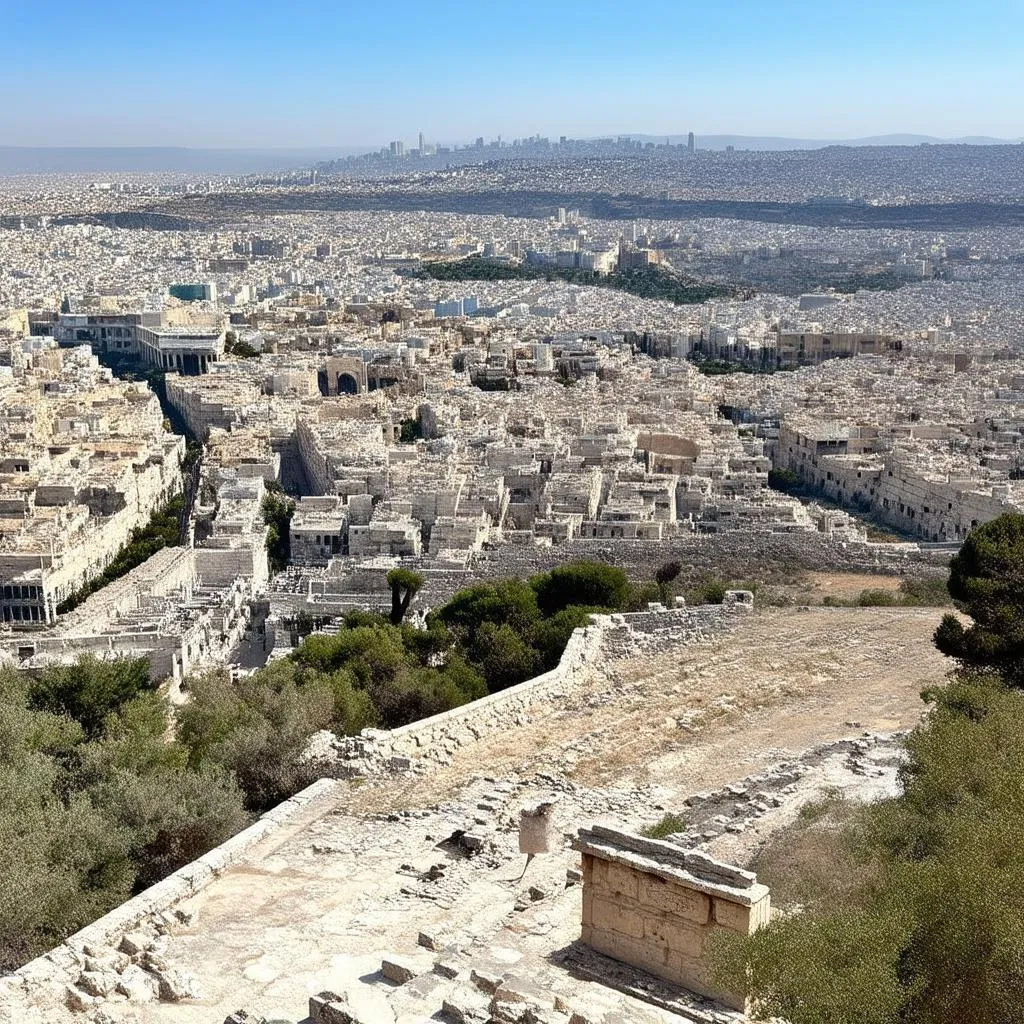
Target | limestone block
(536,828)
(645,955)
(466,1005)
(137,985)
(398,970)
(624,880)
(662,895)
(176,985)
(675,934)
(612,916)
(733,916)
(134,943)
(97,983)
(77,999)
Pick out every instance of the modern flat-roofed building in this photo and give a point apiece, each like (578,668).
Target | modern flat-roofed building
(188,349)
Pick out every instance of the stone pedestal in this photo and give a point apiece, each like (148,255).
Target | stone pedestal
(654,906)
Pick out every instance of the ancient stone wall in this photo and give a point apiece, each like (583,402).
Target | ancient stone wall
(437,737)
(63,964)
(650,904)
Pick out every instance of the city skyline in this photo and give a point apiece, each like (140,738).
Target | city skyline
(324,77)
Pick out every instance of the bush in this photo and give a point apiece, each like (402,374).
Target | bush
(93,807)
(590,584)
(90,690)
(667,826)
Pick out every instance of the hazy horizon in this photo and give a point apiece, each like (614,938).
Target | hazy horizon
(325,76)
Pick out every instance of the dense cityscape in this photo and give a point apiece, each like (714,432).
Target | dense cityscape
(377,517)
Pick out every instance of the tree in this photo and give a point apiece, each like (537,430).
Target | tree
(404,584)
(90,690)
(277,514)
(592,584)
(509,602)
(666,575)
(987,583)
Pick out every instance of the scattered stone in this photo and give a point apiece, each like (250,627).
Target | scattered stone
(397,970)
(536,893)
(330,1008)
(78,1000)
(472,841)
(135,943)
(486,980)
(97,983)
(573,876)
(448,968)
(137,985)
(176,985)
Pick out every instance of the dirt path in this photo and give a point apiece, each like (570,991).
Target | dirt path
(695,717)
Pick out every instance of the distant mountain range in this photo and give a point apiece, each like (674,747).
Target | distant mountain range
(154,159)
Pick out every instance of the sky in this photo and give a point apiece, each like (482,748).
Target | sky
(339,73)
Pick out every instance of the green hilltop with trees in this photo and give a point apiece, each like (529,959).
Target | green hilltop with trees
(652,282)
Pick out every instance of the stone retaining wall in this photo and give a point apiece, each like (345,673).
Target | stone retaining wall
(436,738)
(62,964)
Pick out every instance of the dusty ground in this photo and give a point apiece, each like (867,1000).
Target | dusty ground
(321,903)
(697,717)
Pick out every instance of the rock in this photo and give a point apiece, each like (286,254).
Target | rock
(138,985)
(135,943)
(97,983)
(329,1008)
(428,941)
(573,876)
(485,979)
(465,1005)
(243,1017)
(397,970)
(448,968)
(517,989)
(473,841)
(176,985)
(77,999)
(112,961)
(187,917)
(536,893)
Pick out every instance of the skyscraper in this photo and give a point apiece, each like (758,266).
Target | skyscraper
(690,143)
(421,143)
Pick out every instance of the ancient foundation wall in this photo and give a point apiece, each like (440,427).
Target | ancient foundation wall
(657,907)
(437,737)
(63,963)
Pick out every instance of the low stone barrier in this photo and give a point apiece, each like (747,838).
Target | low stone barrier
(64,961)
(436,738)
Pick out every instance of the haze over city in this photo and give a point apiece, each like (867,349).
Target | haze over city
(356,75)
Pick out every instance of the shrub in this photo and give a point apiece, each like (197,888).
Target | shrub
(667,826)
(590,584)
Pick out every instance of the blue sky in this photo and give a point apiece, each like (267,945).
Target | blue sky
(317,73)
